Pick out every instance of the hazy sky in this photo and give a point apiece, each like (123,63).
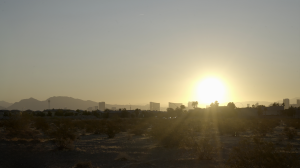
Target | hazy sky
(156,50)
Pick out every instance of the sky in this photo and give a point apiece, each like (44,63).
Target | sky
(137,51)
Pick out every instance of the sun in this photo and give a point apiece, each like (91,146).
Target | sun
(210,90)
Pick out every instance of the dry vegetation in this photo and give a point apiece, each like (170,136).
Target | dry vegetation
(199,139)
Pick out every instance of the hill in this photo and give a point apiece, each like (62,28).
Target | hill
(5,104)
(62,102)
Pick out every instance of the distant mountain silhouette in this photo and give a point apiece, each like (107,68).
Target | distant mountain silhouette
(61,102)
(5,104)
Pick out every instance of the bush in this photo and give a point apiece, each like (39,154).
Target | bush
(84,165)
(202,147)
(111,129)
(18,123)
(259,153)
(169,133)
(59,113)
(49,113)
(137,131)
(41,123)
(232,126)
(63,133)
(290,133)
(262,127)
(69,114)
(19,127)
(40,114)
(94,126)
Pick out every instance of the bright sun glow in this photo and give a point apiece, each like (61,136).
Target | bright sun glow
(210,90)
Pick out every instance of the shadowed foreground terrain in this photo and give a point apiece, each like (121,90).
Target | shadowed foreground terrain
(181,142)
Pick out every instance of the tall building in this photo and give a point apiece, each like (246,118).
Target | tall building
(286,103)
(101,106)
(298,102)
(174,105)
(154,106)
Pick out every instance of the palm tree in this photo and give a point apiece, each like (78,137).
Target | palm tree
(195,104)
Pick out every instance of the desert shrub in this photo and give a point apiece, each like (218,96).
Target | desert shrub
(96,114)
(262,127)
(292,123)
(260,153)
(122,156)
(40,114)
(95,126)
(84,164)
(7,114)
(232,126)
(59,113)
(124,113)
(49,113)
(169,133)
(202,148)
(137,131)
(18,123)
(86,113)
(78,124)
(69,113)
(106,114)
(41,123)
(22,134)
(290,133)
(111,129)
(63,133)
(19,127)
(137,126)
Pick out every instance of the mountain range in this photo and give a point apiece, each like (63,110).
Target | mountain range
(62,102)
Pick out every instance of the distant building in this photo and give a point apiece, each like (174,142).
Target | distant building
(96,107)
(113,108)
(296,105)
(154,106)
(174,105)
(286,103)
(101,106)
(90,109)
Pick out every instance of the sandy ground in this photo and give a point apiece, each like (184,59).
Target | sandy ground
(122,151)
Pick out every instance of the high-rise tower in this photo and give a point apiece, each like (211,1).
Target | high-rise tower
(286,103)
(101,106)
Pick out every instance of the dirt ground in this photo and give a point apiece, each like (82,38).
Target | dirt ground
(125,150)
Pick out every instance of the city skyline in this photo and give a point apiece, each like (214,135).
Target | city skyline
(295,102)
